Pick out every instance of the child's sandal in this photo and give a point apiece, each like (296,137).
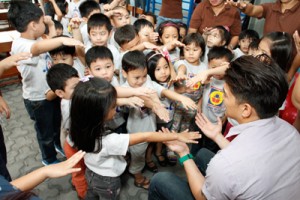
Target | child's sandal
(145,183)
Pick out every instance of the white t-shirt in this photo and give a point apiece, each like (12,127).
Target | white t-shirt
(143,119)
(65,106)
(84,34)
(79,67)
(73,9)
(212,100)
(65,22)
(109,161)
(112,40)
(169,105)
(237,53)
(175,55)
(33,70)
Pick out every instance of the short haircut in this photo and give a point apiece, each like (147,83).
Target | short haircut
(91,102)
(125,34)
(62,5)
(58,75)
(281,49)
(133,60)
(250,34)
(152,15)
(225,35)
(99,20)
(21,13)
(220,52)
(141,23)
(98,52)
(87,7)
(259,83)
(197,39)
(63,49)
(58,25)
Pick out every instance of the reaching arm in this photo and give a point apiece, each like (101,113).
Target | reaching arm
(186,102)
(31,180)
(248,8)
(12,61)
(57,10)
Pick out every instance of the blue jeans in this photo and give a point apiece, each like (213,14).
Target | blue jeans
(161,19)
(166,185)
(47,117)
(102,187)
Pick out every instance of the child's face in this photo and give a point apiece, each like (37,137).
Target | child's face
(40,27)
(217,62)
(144,33)
(69,88)
(192,53)
(264,47)
(162,70)
(102,68)
(244,45)
(99,36)
(121,19)
(170,33)
(59,32)
(214,39)
(136,78)
(129,45)
(182,33)
(253,52)
(63,58)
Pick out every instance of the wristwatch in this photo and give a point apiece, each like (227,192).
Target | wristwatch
(185,158)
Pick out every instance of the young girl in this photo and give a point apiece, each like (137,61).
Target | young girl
(168,32)
(93,104)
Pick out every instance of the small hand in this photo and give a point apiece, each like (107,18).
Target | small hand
(188,103)
(239,4)
(106,7)
(209,129)
(202,77)
(154,37)
(161,112)
(71,42)
(75,22)
(66,167)
(48,20)
(142,91)
(14,59)
(4,108)
(135,102)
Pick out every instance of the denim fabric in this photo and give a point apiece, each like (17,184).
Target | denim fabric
(102,187)
(166,185)
(47,117)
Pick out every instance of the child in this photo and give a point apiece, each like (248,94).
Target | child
(59,28)
(28,20)
(253,48)
(150,17)
(211,103)
(191,65)
(245,38)
(182,30)
(87,9)
(63,7)
(168,32)
(93,104)
(142,119)
(145,30)
(67,54)
(62,79)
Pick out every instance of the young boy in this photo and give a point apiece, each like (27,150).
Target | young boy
(145,30)
(245,39)
(28,19)
(211,103)
(142,119)
(62,79)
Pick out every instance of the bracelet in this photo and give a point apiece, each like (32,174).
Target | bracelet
(185,158)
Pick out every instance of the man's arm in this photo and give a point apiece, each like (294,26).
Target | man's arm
(248,8)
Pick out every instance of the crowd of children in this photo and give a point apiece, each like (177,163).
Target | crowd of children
(107,85)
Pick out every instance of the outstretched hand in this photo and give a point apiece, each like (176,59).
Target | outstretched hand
(209,129)
(66,167)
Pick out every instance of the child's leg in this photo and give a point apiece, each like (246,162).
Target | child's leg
(102,187)
(41,112)
(150,165)
(78,178)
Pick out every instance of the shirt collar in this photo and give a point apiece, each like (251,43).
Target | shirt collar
(277,7)
(236,130)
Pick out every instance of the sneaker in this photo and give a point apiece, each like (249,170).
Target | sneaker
(60,150)
(46,163)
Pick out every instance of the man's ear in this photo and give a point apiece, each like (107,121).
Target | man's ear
(124,74)
(247,110)
(59,93)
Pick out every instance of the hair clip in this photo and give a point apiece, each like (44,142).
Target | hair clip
(86,78)
(166,54)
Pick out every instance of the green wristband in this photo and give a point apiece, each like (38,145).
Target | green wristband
(185,158)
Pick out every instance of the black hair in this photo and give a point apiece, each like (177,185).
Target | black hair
(141,23)
(259,83)
(63,49)
(133,60)
(87,7)
(250,34)
(152,15)
(99,20)
(97,52)
(281,48)
(254,44)
(163,25)
(225,34)
(184,26)
(91,102)
(62,5)
(152,59)
(21,13)
(125,34)
(58,25)
(58,75)
(197,39)
(220,52)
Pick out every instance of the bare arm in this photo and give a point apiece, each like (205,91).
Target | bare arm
(186,102)
(57,10)
(12,61)
(248,8)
